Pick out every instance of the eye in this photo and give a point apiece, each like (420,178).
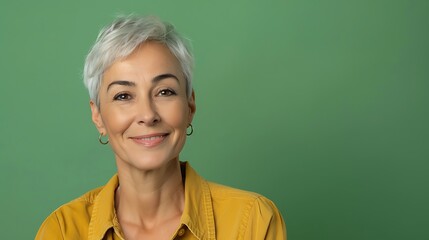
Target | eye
(166,92)
(122,97)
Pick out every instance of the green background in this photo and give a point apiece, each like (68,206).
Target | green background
(322,106)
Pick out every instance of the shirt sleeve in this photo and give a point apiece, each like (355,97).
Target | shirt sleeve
(50,229)
(265,222)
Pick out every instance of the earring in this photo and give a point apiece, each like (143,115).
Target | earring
(192,130)
(101,140)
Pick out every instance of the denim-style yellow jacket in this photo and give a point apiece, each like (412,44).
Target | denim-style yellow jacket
(212,211)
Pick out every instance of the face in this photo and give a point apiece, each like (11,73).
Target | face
(144,108)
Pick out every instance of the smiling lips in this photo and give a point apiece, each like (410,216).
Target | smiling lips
(150,140)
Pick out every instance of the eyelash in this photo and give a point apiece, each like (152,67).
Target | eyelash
(169,92)
(120,97)
(126,96)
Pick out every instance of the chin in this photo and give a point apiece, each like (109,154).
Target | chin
(148,163)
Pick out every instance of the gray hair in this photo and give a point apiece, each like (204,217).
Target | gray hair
(119,39)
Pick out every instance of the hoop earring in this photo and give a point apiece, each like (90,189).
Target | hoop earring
(101,140)
(192,130)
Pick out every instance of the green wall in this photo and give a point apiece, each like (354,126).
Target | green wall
(322,106)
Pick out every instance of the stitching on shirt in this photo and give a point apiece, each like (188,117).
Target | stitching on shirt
(90,196)
(245,222)
(91,222)
(209,210)
(62,231)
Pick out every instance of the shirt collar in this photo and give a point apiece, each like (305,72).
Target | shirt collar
(104,210)
(197,214)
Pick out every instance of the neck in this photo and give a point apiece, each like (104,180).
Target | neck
(150,198)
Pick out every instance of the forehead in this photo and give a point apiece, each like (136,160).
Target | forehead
(147,61)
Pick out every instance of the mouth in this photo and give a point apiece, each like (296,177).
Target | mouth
(150,140)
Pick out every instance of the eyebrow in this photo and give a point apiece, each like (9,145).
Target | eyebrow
(154,80)
(164,76)
(121,83)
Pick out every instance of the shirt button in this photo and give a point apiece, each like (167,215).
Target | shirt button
(181,232)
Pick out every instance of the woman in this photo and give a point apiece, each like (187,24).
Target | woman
(138,75)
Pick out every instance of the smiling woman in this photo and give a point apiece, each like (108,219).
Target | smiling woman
(139,77)
(135,94)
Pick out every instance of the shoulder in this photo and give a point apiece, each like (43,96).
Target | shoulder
(228,197)
(79,206)
(223,193)
(76,213)
(253,215)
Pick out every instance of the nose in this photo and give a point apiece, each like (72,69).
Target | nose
(147,113)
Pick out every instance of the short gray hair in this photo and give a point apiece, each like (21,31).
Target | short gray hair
(119,39)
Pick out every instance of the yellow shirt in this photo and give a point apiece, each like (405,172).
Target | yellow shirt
(212,211)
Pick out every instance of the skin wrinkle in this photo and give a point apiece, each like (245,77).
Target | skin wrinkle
(154,80)
(148,102)
(152,99)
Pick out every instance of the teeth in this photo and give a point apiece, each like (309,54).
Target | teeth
(151,138)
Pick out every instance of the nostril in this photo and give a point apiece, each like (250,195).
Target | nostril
(149,120)
(156,120)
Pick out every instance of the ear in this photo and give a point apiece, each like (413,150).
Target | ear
(192,106)
(96,118)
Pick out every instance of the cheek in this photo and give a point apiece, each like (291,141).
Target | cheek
(116,121)
(176,115)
